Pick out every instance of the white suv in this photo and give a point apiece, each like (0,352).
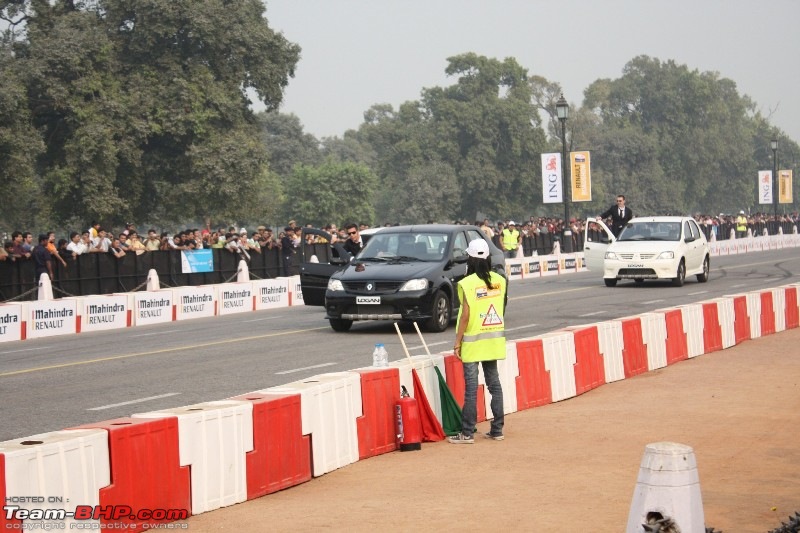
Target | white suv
(649,248)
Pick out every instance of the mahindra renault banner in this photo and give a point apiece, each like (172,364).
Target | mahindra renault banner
(193,261)
(581,177)
(784,186)
(551,179)
(764,186)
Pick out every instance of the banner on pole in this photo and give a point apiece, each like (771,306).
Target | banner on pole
(581,177)
(784,186)
(193,261)
(764,186)
(551,179)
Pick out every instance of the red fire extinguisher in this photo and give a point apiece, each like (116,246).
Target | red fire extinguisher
(407,422)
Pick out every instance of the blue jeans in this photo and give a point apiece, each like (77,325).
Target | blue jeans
(469,414)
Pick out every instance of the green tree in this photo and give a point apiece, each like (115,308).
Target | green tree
(331,193)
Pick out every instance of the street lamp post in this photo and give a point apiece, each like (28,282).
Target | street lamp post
(774,145)
(562,111)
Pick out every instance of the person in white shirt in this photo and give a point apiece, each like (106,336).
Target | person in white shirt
(76,245)
(100,244)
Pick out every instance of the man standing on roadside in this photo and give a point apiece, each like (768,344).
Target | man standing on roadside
(480,339)
(512,238)
(42,258)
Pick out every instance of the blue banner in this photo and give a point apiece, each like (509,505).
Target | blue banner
(193,261)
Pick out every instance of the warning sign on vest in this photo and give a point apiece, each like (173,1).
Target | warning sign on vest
(491,318)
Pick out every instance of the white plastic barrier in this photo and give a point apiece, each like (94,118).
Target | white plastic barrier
(195,302)
(271,293)
(532,267)
(329,405)
(234,298)
(423,364)
(693,326)
(296,291)
(727,320)
(559,360)
(213,438)
(508,370)
(754,312)
(668,486)
(609,335)
(779,306)
(514,269)
(549,265)
(67,468)
(654,337)
(153,307)
(47,318)
(12,319)
(102,312)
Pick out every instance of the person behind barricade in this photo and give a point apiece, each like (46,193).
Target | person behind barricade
(6,252)
(620,215)
(27,242)
(480,339)
(741,225)
(135,244)
(53,249)
(486,228)
(76,244)
(19,252)
(100,244)
(512,239)
(42,258)
(287,249)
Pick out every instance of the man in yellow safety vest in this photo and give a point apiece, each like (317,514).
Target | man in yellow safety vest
(512,238)
(480,339)
(741,225)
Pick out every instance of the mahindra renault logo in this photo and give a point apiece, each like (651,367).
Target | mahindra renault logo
(369,286)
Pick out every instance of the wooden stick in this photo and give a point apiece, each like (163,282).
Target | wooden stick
(403,342)
(416,326)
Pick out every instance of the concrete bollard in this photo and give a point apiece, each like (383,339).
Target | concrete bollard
(45,287)
(243,274)
(667,491)
(153,283)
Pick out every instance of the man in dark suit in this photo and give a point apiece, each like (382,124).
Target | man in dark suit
(353,244)
(620,215)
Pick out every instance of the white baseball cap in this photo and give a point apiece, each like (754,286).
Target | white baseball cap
(478,248)
(511,223)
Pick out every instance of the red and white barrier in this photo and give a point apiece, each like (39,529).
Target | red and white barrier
(330,405)
(65,468)
(213,438)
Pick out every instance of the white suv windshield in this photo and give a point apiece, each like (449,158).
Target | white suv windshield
(422,246)
(651,231)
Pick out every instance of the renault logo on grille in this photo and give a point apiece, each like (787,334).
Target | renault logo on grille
(369,286)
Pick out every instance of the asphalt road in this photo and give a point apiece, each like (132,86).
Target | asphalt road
(53,383)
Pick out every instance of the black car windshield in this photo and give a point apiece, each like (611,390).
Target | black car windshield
(651,231)
(422,246)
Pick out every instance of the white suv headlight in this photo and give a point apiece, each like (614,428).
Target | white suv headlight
(666,255)
(611,255)
(335,285)
(415,285)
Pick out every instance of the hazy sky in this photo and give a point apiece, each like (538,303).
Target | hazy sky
(356,53)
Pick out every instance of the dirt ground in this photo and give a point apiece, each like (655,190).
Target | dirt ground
(572,466)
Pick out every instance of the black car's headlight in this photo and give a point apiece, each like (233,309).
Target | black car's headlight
(419,284)
(335,285)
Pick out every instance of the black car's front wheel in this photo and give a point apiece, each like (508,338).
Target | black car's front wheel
(440,313)
(339,324)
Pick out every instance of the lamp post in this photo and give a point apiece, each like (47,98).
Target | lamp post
(774,145)
(562,111)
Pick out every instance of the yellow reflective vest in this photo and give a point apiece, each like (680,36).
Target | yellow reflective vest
(741,223)
(485,337)
(510,239)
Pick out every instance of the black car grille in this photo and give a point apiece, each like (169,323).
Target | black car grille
(378,287)
(636,273)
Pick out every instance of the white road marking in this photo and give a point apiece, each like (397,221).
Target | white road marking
(737,286)
(522,327)
(592,314)
(261,319)
(157,333)
(304,368)
(140,400)
(26,350)
(696,293)
(651,302)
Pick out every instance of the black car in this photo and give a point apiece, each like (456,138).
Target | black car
(402,273)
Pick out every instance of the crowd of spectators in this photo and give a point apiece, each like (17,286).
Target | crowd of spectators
(97,239)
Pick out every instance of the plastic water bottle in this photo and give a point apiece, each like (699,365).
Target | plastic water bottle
(379,356)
